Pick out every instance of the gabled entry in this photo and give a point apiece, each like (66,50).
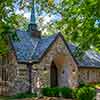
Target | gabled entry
(53,75)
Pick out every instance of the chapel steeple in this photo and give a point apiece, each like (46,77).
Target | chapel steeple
(32,27)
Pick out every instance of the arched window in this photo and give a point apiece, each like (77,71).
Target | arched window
(4,59)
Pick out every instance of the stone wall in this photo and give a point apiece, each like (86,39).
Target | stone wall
(41,71)
(7,77)
(57,50)
(17,77)
(89,75)
(21,82)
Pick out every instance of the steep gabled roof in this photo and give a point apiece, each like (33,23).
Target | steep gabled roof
(29,49)
(25,46)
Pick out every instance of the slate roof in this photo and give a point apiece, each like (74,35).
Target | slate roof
(89,59)
(29,49)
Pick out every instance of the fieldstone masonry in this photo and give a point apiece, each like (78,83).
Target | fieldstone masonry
(64,62)
(41,71)
(17,79)
(89,75)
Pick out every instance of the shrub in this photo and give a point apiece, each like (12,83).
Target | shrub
(66,92)
(75,92)
(45,91)
(50,92)
(24,95)
(81,83)
(85,93)
(56,92)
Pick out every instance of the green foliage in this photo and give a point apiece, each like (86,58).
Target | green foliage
(81,83)
(24,95)
(79,23)
(18,96)
(9,21)
(56,92)
(51,92)
(66,92)
(85,93)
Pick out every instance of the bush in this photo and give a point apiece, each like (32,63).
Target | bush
(81,83)
(24,95)
(85,93)
(50,92)
(66,92)
(56,92)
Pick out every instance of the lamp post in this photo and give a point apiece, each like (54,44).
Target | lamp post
(29,66)
(32,28)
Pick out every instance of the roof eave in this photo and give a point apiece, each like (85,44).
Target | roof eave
(28,62)
(94,67)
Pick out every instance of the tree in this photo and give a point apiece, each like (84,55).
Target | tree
(79,23)
(9,21)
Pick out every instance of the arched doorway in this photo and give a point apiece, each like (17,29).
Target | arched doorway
(53,75)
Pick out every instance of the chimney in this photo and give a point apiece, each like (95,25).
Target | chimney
(32,27)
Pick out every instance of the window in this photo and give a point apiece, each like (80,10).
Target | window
(4,74)
(88,75)
(4,59)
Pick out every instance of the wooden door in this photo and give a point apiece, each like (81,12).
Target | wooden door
(54,75)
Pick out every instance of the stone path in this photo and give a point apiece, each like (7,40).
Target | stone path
(98,96)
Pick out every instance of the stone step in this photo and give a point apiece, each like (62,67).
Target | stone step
(98,96)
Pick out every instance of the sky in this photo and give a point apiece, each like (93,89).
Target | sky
(45,16)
